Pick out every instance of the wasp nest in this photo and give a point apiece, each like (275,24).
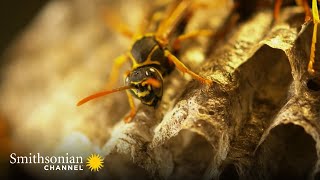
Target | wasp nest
(260,119)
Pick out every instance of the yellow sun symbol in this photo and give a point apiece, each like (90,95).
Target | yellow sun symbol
(95,162)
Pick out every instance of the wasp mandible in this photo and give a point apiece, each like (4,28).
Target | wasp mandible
(152,60)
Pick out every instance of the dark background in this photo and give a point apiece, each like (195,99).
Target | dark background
(15,16)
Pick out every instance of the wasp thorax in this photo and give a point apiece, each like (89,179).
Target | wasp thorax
(147,84)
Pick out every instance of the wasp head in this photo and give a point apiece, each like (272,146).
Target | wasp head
(147,84)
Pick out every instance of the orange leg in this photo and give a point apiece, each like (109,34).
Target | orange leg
(114,73)
(184,69)
(166,26)
(316,21)
(307,10)
(184,9)
(190,35)
(276,11)
(133,110)
(115,23)
(303,3)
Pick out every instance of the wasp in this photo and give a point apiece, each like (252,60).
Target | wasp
(313,66)
(151,59)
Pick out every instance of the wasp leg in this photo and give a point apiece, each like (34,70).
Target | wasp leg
(183,10)
(193,34)
(166,27)
(316,21)
(133,111)
(305,5)
(276,10)
(184,69)
(114,74)
(149,22)
(115,23)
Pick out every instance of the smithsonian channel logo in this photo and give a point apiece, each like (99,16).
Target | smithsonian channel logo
(60,163)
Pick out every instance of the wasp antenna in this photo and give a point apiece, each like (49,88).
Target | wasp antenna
(102,93)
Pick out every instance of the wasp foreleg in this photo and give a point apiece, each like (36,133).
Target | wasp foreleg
(133,111)
(114,73)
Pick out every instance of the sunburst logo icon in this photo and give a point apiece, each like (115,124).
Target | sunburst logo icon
(95,162)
